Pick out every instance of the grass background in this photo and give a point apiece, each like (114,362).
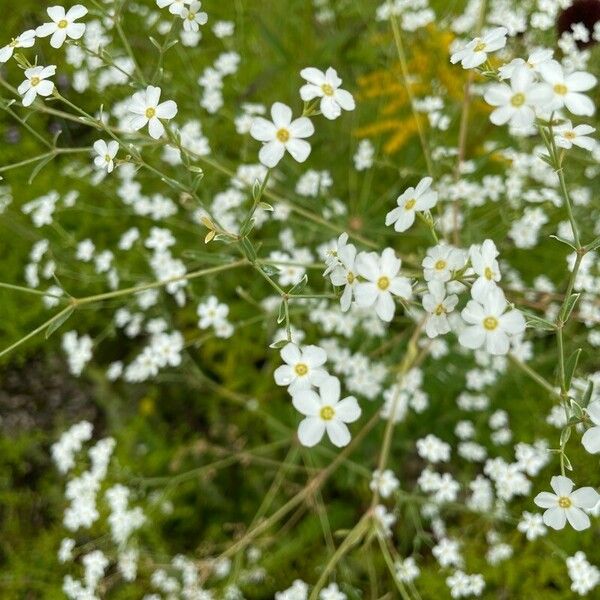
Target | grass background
(190,418)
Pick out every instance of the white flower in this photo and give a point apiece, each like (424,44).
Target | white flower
(105,154)
(412,200)
(483,260)
(144,105)
(63,24)
(532,525)
(385,483)
(591,438)
(536,58)
(282,134)
(302,368)
(438,305)
(211,312)
(567,136)
(517,102)
(566,90)
(345,272)
(325,411)
(36,83)
(193,17)
(476,51)
(25,40)
(382,280)
(489,325)
(332,592)
(566,504)
(327,87)
(441,261)
(175,6)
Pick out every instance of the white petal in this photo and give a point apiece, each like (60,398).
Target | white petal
(577,518)
(299,149)
(561,485)
(291,354)
(585,497)
(307,402)
(310,431)
(166,110)
(263,130)
(555,518)
(348,410)
(271,153)
(338,433)
(155,128)
(281,114)
(546,500)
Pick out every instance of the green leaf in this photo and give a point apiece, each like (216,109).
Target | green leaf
(593,245)
(39,167)
(58,322)
(279,344)
(265,206)
(281,315)
(248,249)
(270,270)
(587,395)
(532,320)
(300,285)
(569,306)
(247,227)
(563,241)
(567,462)
(565,434)
(571,366)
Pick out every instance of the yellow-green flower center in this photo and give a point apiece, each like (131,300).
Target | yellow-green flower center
(440,310)
(480,47)
(327,89)
(490,323)
(565,502)
(150,113)
(383,283)
(283,135)
(62,24)
(410,204)
(350,277)
(488,273)
(561,89)
(440,265)
(327,413)
(301,369)
(518,100)
(35,81)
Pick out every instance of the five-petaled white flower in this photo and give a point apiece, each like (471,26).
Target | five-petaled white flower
(36,83)
(591,438)
(476,51)
(441,262)
(438,304)
(567,136)
(193,17)
(25,40)
(282,134)
(303,367)
(327,87)
(382,280)
(63,24)
(325,412)
(147,111)
(565,504)
(413,200)
(489,323)
(106,154)
(517,103)
(565,90)
(175,6)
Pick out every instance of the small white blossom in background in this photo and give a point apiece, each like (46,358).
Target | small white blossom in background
(63,24)
(584,576)
(384,482)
